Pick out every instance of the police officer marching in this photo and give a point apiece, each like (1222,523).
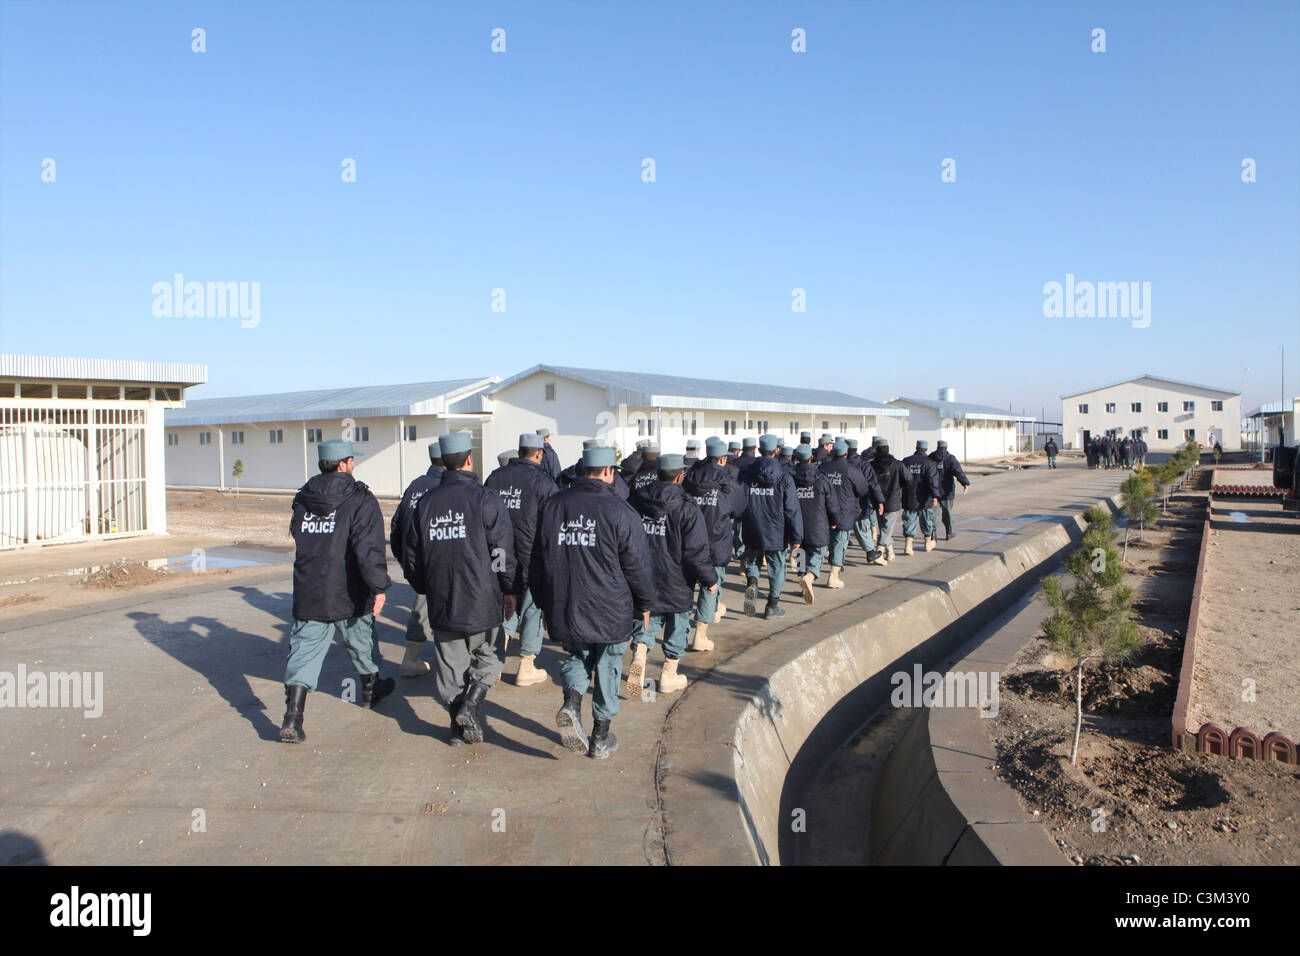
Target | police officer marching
(550,458)
(592,574)
(921,497)
(679,544)
(340,579)
(720,501)
(950,472)
(402,534)
(848,488)
(523,487)
(772,521)
(893,478)
(465,565)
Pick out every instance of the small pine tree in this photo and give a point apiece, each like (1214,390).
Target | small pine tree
(237,472)
(1138,506)
(1090,621)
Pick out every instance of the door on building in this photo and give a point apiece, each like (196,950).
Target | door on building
(1087,437)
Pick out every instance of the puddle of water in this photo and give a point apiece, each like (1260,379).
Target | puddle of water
(214,559)
(1238,516)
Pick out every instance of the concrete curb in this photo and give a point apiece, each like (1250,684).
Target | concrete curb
(740,748)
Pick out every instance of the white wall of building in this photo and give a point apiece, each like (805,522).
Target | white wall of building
(1204,420)
(969,439)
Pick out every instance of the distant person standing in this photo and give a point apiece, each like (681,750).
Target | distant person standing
(340,579)
(523,487)
(1051,449)
(772,521)
(950,473)
(402,534)
(593,576)
(678,539)
(465,566)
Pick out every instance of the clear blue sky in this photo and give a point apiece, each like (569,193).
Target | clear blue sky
(775,170)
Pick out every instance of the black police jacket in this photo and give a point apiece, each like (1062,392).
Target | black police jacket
(721,501)
(522,486)
(647,474)
(550,461)
(679,544)
(340,563)
(1049,448)
(630,465)
(950,470)
(465,560)
(772,515)
(401,530)
(813,488)
(926,483)
(848,486)
(892,477)
(591,572)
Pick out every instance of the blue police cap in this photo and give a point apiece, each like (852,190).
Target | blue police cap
(455,442)
(336,449)
(922,445)
(803,452)
(749,443)
(671,462)
(767,443)
(531,441)
(435,451)
(853,444)
(715,447)
(840,448)
(733,446)
(598,457)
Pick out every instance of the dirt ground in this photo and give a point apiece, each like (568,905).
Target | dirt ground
(1132,799)
(1247,669)
(251,519)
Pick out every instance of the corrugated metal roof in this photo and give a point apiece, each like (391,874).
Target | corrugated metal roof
(373,401)
(967,410)
(1274,408)
(102,370)
(1158,378)
(646,389)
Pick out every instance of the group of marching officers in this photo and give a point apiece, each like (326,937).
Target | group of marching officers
(1111,452)
(603,553)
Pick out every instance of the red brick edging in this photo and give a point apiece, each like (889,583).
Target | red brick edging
(1211,738)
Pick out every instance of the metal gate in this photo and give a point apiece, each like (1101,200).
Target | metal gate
(71,472)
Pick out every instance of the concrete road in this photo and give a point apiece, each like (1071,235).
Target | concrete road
(185,766)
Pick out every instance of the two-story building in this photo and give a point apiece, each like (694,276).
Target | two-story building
(1164,412)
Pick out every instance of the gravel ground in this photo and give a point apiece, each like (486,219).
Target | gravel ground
(1247,669)
(251,519)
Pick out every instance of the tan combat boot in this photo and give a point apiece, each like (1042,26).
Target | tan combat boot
(412,666)
(889,551)
(835,581)
(880,558)
(907,546)
(701,642)
(717,615)
(529,674)
(929,543)
(636,672)
(805,584)
(671,681)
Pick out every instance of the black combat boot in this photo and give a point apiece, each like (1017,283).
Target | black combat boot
(603,743)
(774,609)
(569,719)
(751,597)
(373,690)
(295,698)
(457,738)
(468,717)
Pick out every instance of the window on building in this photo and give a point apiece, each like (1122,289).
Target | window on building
(1135,406)
(1189,434)
(729,426)
(688,427)
(362,433)
(1189,406)
(1162,433)
(794,428)
(550,391)
(205,438)
(762,425)
(236,438)
(1162,406)
(136,394)
(826,426)
(72,391)
(1083,409)
(167,394)
(1216,406)
(37,390)
(276,436)
(314,436)
(844,427)
(749,424)
(1110,408)
(173,438)
(410,433)
(105,393)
